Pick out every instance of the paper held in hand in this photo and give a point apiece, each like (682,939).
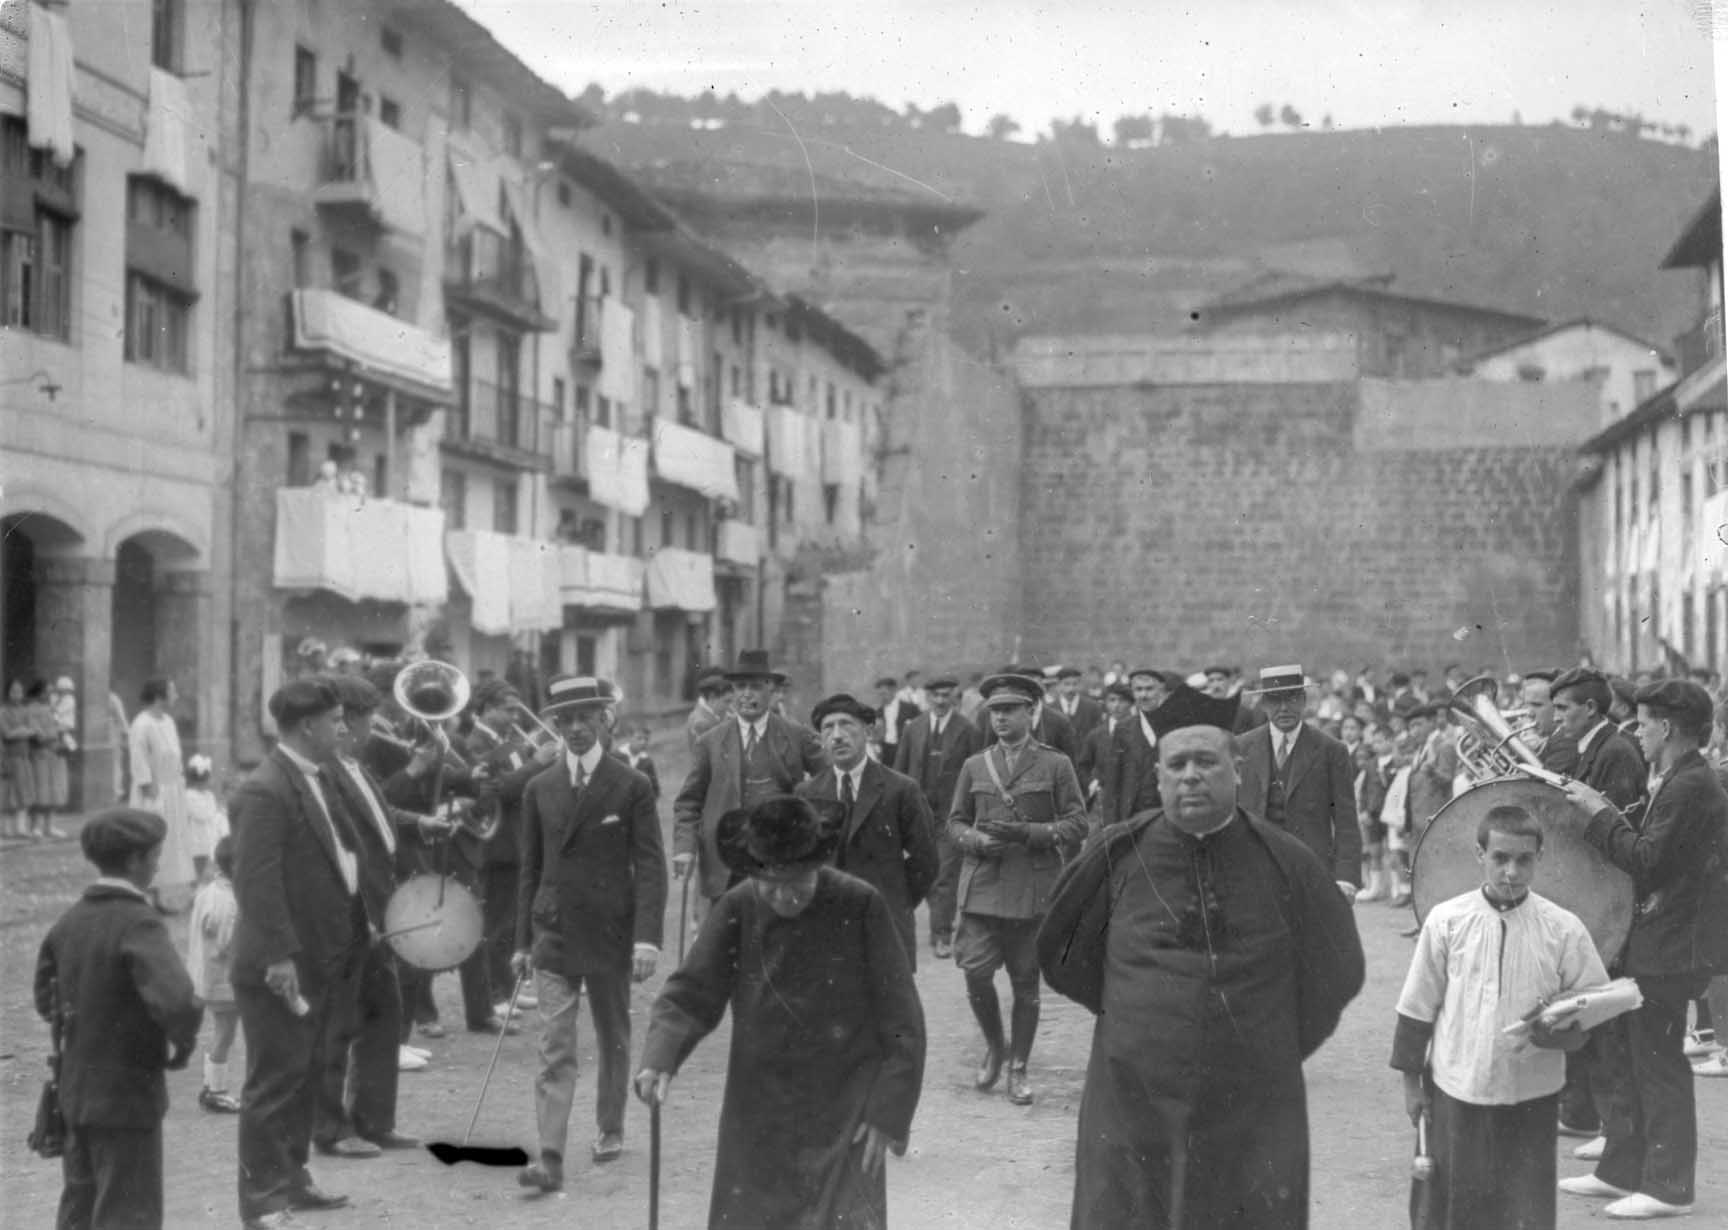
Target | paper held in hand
(1586,1009)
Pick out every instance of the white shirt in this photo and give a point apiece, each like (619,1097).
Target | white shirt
(939,722)
(589,761)
(1146,728)
(760,726)
(125,886)
(856,774)
(1283,744)
(1478,969)
(1590,736)
(352,768)
(344,856)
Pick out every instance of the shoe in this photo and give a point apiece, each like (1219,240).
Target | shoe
(500,1008)
(218,1102)
(393,1140)
(990,1070)
(408,1061)
(53,834)
(943,948)
(1584,1133)
(281,1220)
(1641,1207)
(1019,1091)
(314,1197)
(493,1025)
(1716,1065)
(610,1147)
(347,1146)
(547,1174)
(1365,895)
(419,1052)
(1700,1042)
(1590,1185)
(431,1029)
(1591,1150)
(1399,899)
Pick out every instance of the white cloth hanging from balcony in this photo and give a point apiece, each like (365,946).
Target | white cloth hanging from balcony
(653,331)
(792,439)
(167,132)
(842,453)
(48,82)
(545,271)
(359,549)
(536,584)
(395,163)
(696,460)
(476,181)
(681,580)
(742,424)
(481,561)
(618,470)
(617,351)
(687,341)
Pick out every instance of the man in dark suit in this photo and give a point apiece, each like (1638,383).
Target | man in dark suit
(895,712)
(754,756)
(713,704)
(122,1006)
(301,935)
(1133,785)
(931,753)
(1677,859)
(592,898)
(887,834)
(1096,764)
(1082,712)
(1301,778)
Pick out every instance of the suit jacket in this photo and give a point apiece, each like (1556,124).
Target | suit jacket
(1133,783)
(1014,880)
(593,880)
(1614,765)
(1319,794)
(1678,861)
(1431,777)
(1088,714)
(701,720)
(377,863)
(1096,765)
(903,715)
(937,768)
(287,880)
(644,766)
(889,840)
(109,971)
(716,781)
(511,769)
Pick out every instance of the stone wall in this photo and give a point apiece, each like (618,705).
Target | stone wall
(1253,523)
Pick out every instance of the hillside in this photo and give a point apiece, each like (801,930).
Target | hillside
(1554,221)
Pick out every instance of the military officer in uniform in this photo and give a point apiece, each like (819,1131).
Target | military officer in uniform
(1016,804)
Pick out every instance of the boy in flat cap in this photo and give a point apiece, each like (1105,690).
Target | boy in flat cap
(110,982)
(1016,805)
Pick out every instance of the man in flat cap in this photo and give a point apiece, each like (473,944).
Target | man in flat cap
(1016,805)
(1097,762)
(895,711)
(935,745)
(1218,955)
(121,1004)
(592,898)
(1133,786)
(1083,713)
(887,835)
(713,704)
(1678,860)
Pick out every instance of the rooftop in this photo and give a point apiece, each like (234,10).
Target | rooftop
(1580,322)
(1292,288)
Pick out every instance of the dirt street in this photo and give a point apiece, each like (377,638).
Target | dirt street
(975,1161)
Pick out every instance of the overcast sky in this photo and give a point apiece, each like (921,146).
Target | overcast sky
(1364,62)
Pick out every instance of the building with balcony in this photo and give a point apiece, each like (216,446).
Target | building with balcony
(116,357)
(1654,517)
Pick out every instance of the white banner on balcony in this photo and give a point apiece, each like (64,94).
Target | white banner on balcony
(376,342)
(398,176)
(536,584)
(481,561)
(476,180)
(681,580)
(168,132)
(792,441)
(696,460)
(687,346)
(49,84)
(617,351)
(545,271)
(740,542)
(615,582)
(359,548)
(842,452)
(618,470)
(1651,558)
(653,331)
(742,424)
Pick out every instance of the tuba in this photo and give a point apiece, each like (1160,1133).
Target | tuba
(1489,745)
(431,691)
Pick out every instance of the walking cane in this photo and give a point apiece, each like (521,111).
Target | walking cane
(496,1048)
(684,919)
(654,1164)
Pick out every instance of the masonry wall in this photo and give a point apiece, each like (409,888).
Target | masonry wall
(1254,523)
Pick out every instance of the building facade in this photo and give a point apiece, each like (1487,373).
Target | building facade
(1628,370)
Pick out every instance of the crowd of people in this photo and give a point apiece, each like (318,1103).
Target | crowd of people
(1180,853)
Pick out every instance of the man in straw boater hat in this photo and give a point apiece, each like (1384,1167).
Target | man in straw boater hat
(827,1053)
(1300,778)
(1226,941)
(753,755)
(1016,804)
(590,909)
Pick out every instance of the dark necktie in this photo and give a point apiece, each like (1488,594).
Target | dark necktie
(749,743)
(846,801)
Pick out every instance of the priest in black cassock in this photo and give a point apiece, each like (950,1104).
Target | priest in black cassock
(1225,940)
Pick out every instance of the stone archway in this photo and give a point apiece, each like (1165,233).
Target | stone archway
(31,543)
(159,621)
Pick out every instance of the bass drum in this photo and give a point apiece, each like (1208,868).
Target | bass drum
(432,922)
(1573,873)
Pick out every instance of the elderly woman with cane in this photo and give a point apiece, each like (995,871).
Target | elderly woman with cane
(827,1035)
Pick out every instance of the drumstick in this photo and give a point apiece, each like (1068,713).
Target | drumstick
(390,935)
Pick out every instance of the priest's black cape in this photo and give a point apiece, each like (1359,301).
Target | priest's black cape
(1233,958)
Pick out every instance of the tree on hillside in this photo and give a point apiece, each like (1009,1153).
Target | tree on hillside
(945,118)
(1265,115)
(1326,123)
(1001,127)
(1077,131)
(1182,129)
(1133,131)
(1289,116)
(914,115)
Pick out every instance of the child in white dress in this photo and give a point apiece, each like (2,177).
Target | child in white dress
(209,953)
(206,821)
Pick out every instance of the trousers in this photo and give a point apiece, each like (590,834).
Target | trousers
(357,1090)
(278,1104)
(555,1086)
(943,891)
(1652,1123)
(112,1179)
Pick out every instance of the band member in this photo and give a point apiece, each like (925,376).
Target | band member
(1300,778)
(1676,858)
(301,935)
(1557,750)
(592,896)
(827,1032)
(122,1006)
(754,756)
(713,704)
(1016,804)
(1083,713)
(1134,785)
(1225,940)
(936,744)
(1433,769)
(356,1113)
(887,836)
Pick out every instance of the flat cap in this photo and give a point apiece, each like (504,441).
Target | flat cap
(1121,690)
(1681,700)
(114,835)
(940,682)
(842,702)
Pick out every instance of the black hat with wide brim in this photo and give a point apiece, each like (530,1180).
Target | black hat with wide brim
(781,833)
(754,664)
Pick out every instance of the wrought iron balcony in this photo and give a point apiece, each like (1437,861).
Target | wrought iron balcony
(585,351)
(499,423)
(486,273)
(369,171)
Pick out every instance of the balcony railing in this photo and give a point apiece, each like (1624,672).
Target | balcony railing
(1701,344)
(567,444)
(490,273)
(490,414)
(366,166)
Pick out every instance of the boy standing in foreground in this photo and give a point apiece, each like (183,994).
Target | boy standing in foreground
(109,977)
(1484,960)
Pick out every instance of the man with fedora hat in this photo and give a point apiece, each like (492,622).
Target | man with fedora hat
(1016,805)
(755,755)
(887,835)
(592,897)
(1300,778)
(937,743)
(828,1039)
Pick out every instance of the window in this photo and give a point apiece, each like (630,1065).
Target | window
(846,406)
(666,527)
(686,409)
(737,327)
(300,259)
(1643,384)
(386,300)
(683,295)
(830,403)
(461,104)
(35,277)
(381,476)
(603,411)
(513,134)
(638,537)
(504,505)
(299,459)
(651,277)
(158,322)
(745,471)
(831,501)
(160,224)
(558,398)
(167,18)
(564,194)
(391,41)
(583,399)
(453,498)
(389,112)
(346,274)
(605,281)
(305,82)
(692,527)
(736,381)
(650,390)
